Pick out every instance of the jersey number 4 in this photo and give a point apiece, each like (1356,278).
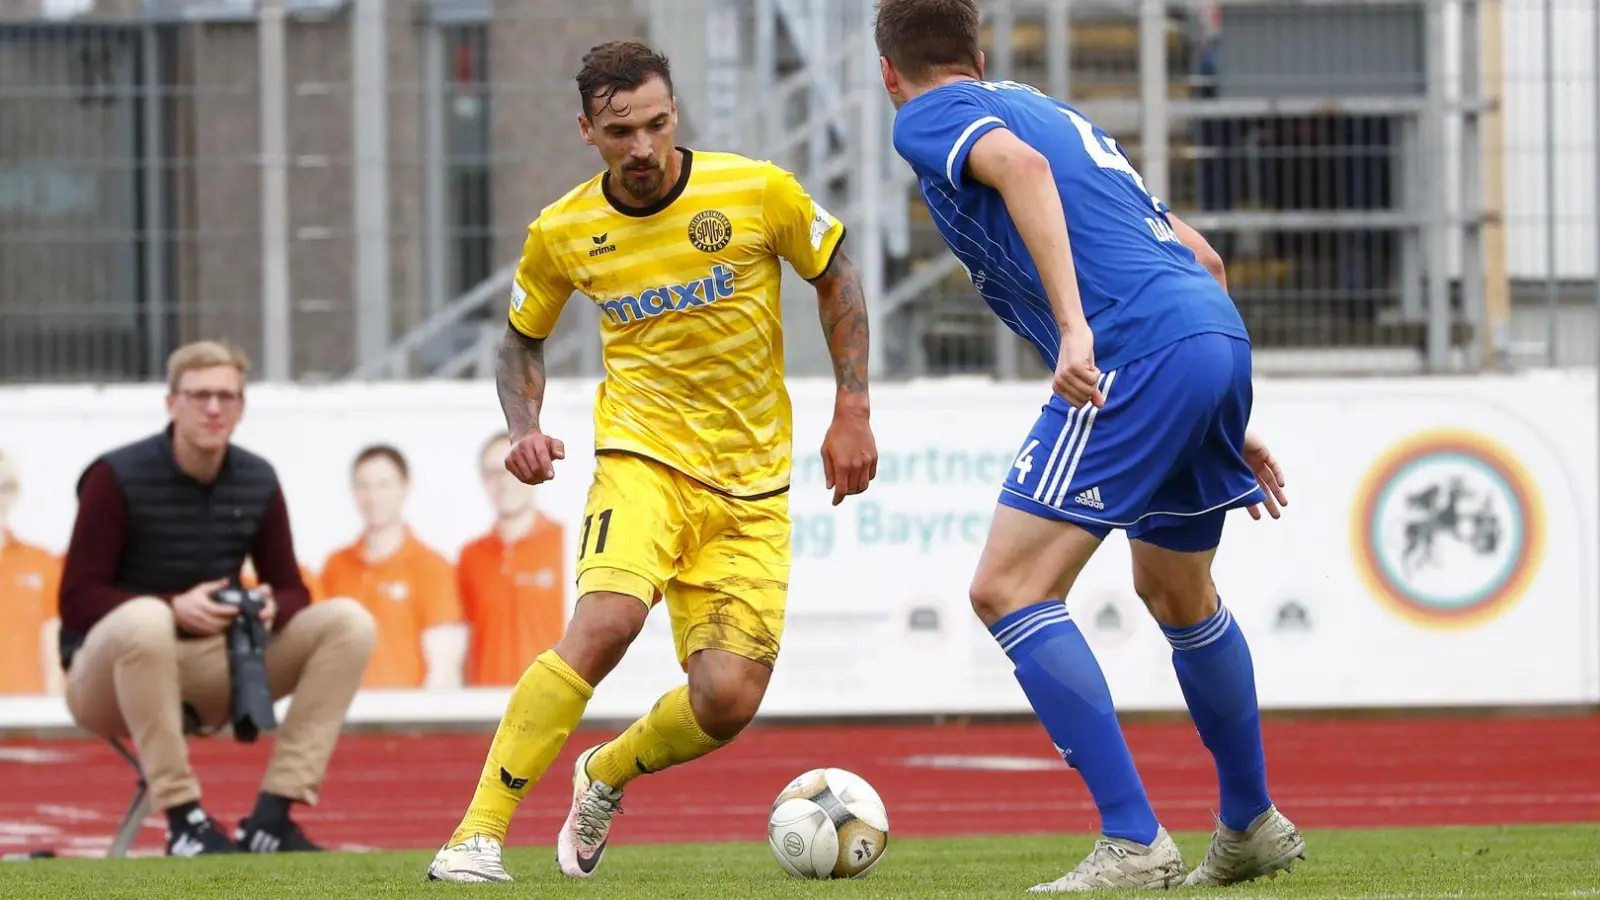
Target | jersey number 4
(1024,461)
(1107,155)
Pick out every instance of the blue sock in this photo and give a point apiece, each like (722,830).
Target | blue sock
(1219,684)
(1065,686)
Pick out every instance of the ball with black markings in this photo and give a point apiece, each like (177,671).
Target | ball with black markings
(828,823)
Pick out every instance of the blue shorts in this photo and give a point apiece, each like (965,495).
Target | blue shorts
(1161,460)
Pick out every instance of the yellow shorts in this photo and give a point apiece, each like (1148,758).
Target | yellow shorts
(721,563)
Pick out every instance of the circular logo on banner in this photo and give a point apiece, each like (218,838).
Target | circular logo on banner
(710,231)
(1448,529)
(1109,617)
(1292,617)
(922,621)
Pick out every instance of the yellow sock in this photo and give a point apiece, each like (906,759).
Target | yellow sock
(545,706)
(666,736)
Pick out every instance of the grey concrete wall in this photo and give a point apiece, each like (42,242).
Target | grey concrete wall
(220,187)
(214,112)
(535,54)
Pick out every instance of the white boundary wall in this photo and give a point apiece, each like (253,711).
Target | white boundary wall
(1504,613)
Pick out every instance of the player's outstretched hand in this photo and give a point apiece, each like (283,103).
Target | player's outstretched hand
(532,459)
(849,455)
(1268,474)
(1077,378)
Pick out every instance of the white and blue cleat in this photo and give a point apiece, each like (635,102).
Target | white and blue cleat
(1117,863)
(1271,844)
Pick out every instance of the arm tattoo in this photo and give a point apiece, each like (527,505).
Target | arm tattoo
(844,322)
(519,378)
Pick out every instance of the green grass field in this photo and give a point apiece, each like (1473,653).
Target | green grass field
(1421,863)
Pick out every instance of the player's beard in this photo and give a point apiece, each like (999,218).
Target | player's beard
(643,182)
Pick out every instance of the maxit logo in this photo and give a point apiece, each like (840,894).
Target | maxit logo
(659,301)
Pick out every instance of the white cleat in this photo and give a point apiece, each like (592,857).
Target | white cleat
(1271,844)
(1120,863)
(582,841)
(475,860)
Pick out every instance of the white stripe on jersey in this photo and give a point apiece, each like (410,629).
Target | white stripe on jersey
(1063,436)
(950,161)
(1075,432)
(1060,495)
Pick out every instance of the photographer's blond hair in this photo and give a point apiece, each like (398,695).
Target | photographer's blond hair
(205,355)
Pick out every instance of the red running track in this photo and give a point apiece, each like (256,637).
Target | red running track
(408,791)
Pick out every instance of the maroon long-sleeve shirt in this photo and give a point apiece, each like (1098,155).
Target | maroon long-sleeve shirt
(88,591)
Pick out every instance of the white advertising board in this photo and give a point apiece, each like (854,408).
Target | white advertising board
(1439,547)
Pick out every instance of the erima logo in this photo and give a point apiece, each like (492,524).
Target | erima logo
(601,239)
(511,781)
(671,298)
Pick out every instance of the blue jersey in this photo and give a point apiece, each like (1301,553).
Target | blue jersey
(1142,289)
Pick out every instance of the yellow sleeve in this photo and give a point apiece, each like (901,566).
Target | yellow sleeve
(799,229)
(540,289)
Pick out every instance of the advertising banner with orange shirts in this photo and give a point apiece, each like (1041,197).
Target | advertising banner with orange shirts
(1439,547)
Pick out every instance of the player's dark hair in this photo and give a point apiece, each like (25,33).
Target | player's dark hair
(922,38)
(617,66)
(383,451)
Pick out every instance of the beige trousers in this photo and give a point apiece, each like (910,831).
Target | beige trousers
(133,675)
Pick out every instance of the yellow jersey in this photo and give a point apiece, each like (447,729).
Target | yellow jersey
(690,320)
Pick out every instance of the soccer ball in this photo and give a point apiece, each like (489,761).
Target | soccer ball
(828,823)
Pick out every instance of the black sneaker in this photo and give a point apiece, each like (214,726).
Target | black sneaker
(282,836)
(196,834)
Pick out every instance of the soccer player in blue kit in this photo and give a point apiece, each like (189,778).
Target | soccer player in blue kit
(1145,431)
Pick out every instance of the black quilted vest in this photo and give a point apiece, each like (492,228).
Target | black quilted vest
(179,532)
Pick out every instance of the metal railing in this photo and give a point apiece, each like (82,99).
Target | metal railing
(852,117)
(175,170)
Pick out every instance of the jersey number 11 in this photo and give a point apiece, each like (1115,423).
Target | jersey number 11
(600,537)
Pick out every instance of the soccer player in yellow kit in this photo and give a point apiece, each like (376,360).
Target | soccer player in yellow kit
(681,251)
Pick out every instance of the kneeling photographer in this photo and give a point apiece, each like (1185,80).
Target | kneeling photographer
(158,637)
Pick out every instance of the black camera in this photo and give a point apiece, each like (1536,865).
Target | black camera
(250,696)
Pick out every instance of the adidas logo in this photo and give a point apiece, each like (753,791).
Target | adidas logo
(1090,498)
